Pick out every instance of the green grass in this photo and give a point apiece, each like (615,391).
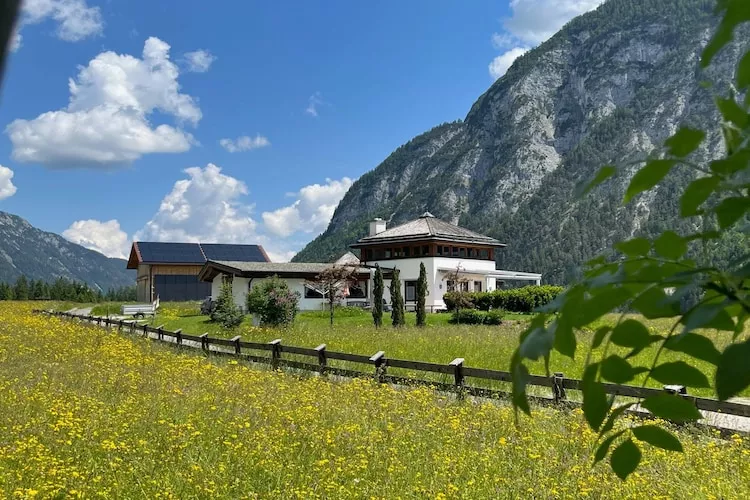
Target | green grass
(439,342)
(87,413)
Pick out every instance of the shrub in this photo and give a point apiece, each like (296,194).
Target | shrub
(519,300)
(226,311)
(273,302)
(476,317)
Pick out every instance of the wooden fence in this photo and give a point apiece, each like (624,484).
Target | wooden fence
(379,365)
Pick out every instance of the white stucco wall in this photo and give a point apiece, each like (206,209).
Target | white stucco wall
(436,279)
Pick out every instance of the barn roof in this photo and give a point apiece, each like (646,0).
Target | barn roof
(151,252)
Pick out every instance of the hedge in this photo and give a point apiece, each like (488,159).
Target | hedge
(475,317)
(518,300)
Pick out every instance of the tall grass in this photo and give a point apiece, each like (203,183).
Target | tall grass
(90,413)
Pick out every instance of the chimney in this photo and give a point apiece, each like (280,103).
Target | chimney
(377,226)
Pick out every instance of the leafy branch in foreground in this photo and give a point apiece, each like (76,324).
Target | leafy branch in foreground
(653,277)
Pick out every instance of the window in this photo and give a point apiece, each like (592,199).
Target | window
(312,292)
(387,253)
(462,252)
(464,286)
(485,254)
(358,290)
(406,251)
(227,278)
(451,285)
(473,253)
(368,254)
(426,250)
(477,286)
(410,289)
(455,252)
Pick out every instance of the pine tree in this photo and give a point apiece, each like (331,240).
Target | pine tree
(4,291)
(397,300)
(421,295)
(21,291)
(37,290)
(377,297)
(227,312)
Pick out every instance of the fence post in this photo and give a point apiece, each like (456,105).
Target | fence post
(558,390)
(178,336)
(204,341)
(119,326)
(160,333)
(275,353)
(145,330)
(378,359)
(237,348)
(322,360)
(458,372)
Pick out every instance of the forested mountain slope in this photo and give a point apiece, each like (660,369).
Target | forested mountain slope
(608,88)
(39,255)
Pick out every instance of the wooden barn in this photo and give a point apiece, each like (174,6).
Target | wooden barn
(170,270)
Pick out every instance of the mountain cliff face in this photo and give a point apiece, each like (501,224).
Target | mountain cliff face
(610,87)
(37,254)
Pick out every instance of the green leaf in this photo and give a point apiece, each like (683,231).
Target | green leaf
(637,247)
(696,194)
(671,407)
(565,339)
(708,316)
(600,304)
(602,175)
(537,342)
(656,436)
(617,370)
(648,177)
(735,13)
(599,336)
(631,333)
(733,372)
(685,141)
(743,72)
(732,112)
(595,405)
(670,245)
(731,165)
(679,372)
(625,459)
(613,416)
(694,345)
(731,210)
(654,303)
(603,448)
(520,377)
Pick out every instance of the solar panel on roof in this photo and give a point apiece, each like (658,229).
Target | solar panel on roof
(241,253)
(180,253)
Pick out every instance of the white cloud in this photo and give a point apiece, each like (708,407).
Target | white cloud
(244,143)
(532,22)
(7,189)
(106,121)
(105,237)
(501,63)
(199,61)
(312,104)
(311,212)
(206,207)
(210,206)
(16,41)
(75,19)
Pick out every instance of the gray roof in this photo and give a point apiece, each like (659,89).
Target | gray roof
(260,269)
(428,227)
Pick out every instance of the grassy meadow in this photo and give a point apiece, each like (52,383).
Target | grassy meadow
(439,342)
(86,412)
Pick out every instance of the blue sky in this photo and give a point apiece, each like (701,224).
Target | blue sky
(234,121)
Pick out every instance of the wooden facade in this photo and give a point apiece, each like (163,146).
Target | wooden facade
(417,249)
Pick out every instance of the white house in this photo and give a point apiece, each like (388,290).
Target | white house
(454,258)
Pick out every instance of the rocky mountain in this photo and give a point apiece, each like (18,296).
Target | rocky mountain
(608,88)
(38,254)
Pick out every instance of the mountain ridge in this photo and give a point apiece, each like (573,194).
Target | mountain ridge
(610,87)
(36,254)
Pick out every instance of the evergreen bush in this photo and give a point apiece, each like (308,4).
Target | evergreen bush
(227,312)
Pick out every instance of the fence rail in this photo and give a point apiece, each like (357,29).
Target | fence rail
(379,363)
